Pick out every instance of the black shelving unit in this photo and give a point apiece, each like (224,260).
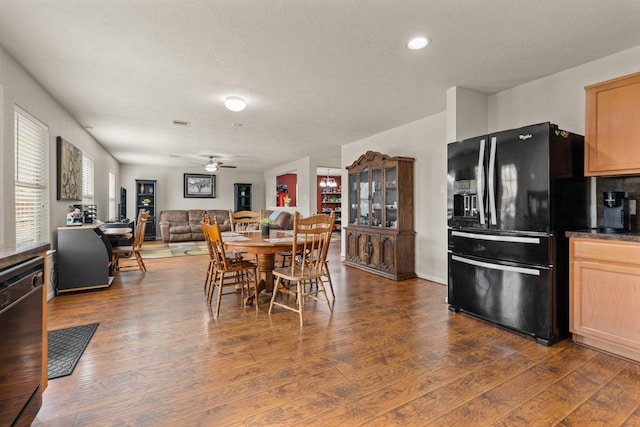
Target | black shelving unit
(146,199)
(242,197)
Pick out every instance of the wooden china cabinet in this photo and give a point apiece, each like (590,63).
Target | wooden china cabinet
(379,235)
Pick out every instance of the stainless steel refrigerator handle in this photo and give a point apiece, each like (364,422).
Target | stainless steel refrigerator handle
(492,188)
(480,181)
(492,266)
(493,237)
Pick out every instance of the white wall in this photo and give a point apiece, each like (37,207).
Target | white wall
(306,170)
(424,139)
(170,189)
(558,98)
(19,88)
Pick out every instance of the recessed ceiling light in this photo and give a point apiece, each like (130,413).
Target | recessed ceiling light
(88,127)
(418,43)
(235,103)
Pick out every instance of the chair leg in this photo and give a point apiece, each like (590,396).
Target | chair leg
(208,277)
(141,265)
(276,286)
(326,271)
(300,298)
(322,289)
(255,286)
(208,284)
(242,277)
(219,297)
(212,286)
(114,261)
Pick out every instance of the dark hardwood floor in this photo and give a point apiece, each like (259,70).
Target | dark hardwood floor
(391,354)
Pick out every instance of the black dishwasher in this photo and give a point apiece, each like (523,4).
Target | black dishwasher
(21,338)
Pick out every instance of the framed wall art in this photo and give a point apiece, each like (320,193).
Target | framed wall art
(199,186)
(69,170)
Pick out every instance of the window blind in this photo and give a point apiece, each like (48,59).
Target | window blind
(87,180)
(31,152)
(112,195)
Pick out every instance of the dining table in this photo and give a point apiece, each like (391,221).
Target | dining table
(264,246)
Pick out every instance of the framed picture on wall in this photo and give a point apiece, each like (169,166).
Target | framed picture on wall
(199,186)
(69,162)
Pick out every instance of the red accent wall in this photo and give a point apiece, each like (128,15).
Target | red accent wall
(291,181)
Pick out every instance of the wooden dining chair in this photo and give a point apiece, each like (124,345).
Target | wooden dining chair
(311,238)
(245,220)
(225,272)
(232,255)
(134,249)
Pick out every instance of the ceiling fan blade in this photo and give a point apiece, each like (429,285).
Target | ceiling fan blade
(225,166)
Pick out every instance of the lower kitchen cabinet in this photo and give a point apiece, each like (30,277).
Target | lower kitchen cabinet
(384,252)
(605,295)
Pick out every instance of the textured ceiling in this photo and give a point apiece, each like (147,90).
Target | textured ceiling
(316,74)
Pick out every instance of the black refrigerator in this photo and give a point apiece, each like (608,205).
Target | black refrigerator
(511,197)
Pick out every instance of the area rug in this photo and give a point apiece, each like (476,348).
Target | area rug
(167,250)
(65,348)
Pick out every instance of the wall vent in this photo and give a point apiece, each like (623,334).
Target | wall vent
(181,123)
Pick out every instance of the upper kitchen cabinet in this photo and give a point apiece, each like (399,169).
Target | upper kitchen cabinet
(613,127)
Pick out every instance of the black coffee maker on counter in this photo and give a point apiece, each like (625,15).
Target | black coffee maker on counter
(616,217)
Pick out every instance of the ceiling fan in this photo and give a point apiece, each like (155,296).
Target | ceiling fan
(210,167)
(213,166)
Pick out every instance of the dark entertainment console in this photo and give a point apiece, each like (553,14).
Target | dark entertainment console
(84,253)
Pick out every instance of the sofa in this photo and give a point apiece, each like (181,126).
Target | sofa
(184,225)
(280,220)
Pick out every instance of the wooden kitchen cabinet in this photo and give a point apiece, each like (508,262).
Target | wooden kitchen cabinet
(612,132)
(604,294)
(379,236)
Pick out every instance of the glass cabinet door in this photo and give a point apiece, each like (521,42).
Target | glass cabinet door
(391,197)
(376,196)
(353,198)
(364,201)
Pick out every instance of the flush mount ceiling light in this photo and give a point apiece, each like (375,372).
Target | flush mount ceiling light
(235,103)
(418,43)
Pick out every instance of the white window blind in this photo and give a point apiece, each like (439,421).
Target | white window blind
(87,180)
(31,150)
(112,195)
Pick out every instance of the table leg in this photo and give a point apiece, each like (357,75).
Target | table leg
(265,272)
(265,267)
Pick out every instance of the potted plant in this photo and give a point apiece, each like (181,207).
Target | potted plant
(264,225)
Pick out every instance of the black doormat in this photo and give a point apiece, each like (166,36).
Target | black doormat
(65,348)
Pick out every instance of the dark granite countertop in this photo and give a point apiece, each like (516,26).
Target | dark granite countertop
(632,236)
(13,254)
